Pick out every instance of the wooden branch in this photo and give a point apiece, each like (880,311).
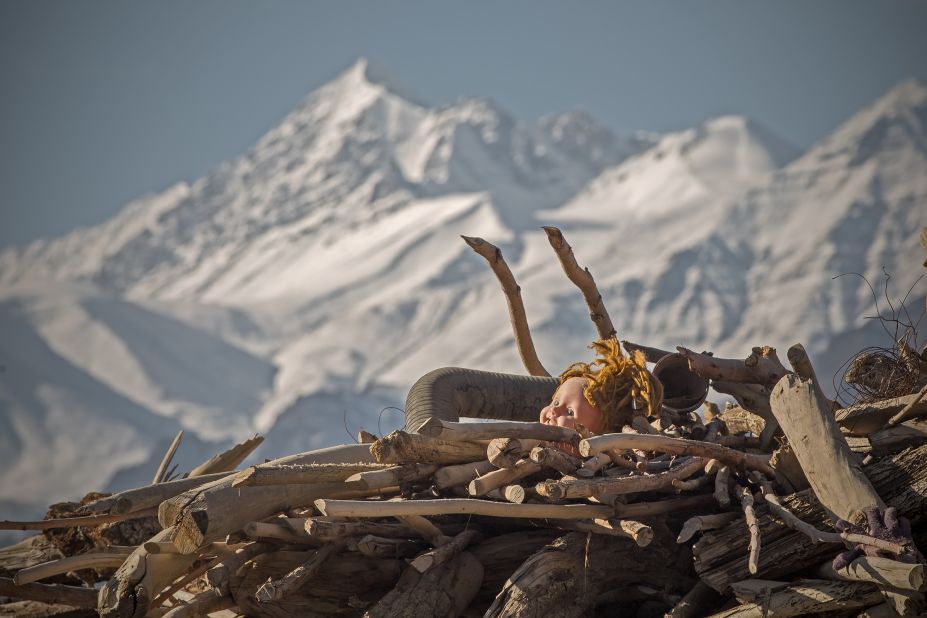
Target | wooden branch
(865,418)
(722,491)
(150,496)
(819,536)
(837,480)
(554,458)
(808,597)
(184,581)
(510,493)
(50,593)
(273,590)
(401,447)
(591,466)
(463,506)
(264,531)
(103,560)
(262,475)
(228,460)
(652,355)
(168,456)
(641,533)
(761,367)
(497,478)
(442,554)
(73,522)
(396,475)
(424,528)
(746,503)
(461,474)
(891,439)
(567,488)
(203,604)
(581,278)
(694,525)
(881,571)
(752,397)
(326,529)
(517,316)
(505,452)
(909,410)
(447,430)
(675,446)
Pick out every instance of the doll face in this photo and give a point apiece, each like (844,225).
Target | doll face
(570,407)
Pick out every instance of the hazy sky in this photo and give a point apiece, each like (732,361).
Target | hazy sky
(103,101)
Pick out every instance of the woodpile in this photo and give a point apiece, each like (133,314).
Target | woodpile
(782,504)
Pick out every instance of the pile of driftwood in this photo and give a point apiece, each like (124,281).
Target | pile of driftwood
(733,512)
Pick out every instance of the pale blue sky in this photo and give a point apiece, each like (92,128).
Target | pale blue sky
(105,100)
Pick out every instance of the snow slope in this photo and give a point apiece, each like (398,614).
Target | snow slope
(303,287)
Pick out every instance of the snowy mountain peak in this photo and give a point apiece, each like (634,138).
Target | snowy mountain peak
(366,73)
(895,122)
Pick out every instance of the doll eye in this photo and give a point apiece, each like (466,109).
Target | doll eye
(570,412)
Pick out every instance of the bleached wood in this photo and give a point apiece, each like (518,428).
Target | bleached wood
(505,452)
(265,474)
(554,458)
(829,465)
(461,474)
(203,604)
(150,496)
(694,525)
(463,506)
(394,476)
(910,409)
(517,316)
(402,447)
(277,589)
(228,460)
(865,418)
(382,547)
(445,552)
(497,478)
(582,279)
(746,503)
(72,522)
(675,446)
(49,593)
(69,563)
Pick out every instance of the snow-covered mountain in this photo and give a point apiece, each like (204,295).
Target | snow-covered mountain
(304,286)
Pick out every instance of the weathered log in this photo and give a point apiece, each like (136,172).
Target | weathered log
(402,447)
(324,529)
(829,465)
(228,460)
(49,593)
(564,578)
(265,531)
(445,552)
(674,446)
(130,592)
(808,597)
(881,571)
(29,552)
(506,452)
(642,534)
(661,507)
(517,316)
(221,575)
(461,474)
(497,478)
(382,547)
(211,512)
(444,591)
(509,493)
(463,432)
(452,506)
(591,466)
(348,583)
(911,409)
(267,474)
(865,418)
(761,367)
(720,556)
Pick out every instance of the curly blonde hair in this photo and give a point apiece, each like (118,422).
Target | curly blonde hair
(617,385)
